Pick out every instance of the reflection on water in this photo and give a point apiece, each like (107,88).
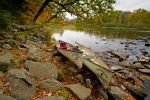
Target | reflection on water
(99,41)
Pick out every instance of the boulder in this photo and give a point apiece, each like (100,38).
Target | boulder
(3,97)
(42,70)
(50,84)
(80,91)
(21,83)
(34,53)
(117,93)
(51,98)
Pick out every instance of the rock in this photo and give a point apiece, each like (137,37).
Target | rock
(102,92)
(147,98)
(34,53)
(147,66)
(137,65)
(121,55)
(42,70)
(50,84)
(146,71)
(6,57)
(116,68)
(80,78)
(125,63)
(146,85)
(80,91)
(88,82)
(117,93)
(3,97)
(21,83)
(51,98)
(132,59)
(144,59)
(147,44)
(7,46)
(5,61)
(136,92)
(72,69)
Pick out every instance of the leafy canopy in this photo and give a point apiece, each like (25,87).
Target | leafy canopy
(80,8)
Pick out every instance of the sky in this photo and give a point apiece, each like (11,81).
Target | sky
(130,5)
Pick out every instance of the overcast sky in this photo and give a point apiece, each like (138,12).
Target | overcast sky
(132,5)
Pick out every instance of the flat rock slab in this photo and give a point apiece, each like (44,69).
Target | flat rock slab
(80,91)
(6,57)
(3,97)
(146,85)
(42,70)
(117,93)
(146,71)
(50,84)
(22,86)
(51,98)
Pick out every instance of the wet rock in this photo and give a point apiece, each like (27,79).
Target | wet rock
(21,83)
(146,87)
(51,98)
(117,93)
(80,91)
(3,97)
(125,63)
(136,92)
(6,46)
(42,70)
(50,84)
(34,53)
(146,71)
(148,45)
(116,68)
(137,65)
(121,55)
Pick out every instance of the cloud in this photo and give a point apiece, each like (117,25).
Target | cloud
(130,5)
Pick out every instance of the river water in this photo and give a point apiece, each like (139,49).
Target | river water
(101,41)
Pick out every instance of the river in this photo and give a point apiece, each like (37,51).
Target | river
(106,40)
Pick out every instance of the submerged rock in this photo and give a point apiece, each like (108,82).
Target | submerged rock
(80,91)
(42,70)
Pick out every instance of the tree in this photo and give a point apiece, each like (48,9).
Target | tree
(80,8)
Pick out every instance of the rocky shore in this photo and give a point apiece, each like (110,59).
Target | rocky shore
(32,69)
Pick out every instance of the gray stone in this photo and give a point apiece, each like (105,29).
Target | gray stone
(51,98)
(146,71)
(50,84)
(80,91)
(21,83)
(3,97)
(42,70)
(137,65)
(116,68)
(7,46)
(125,63)
(6,57)
(117,93)
(121,55)
(34,53)
(146,85)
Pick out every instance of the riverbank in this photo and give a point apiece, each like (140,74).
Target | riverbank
(31,68)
